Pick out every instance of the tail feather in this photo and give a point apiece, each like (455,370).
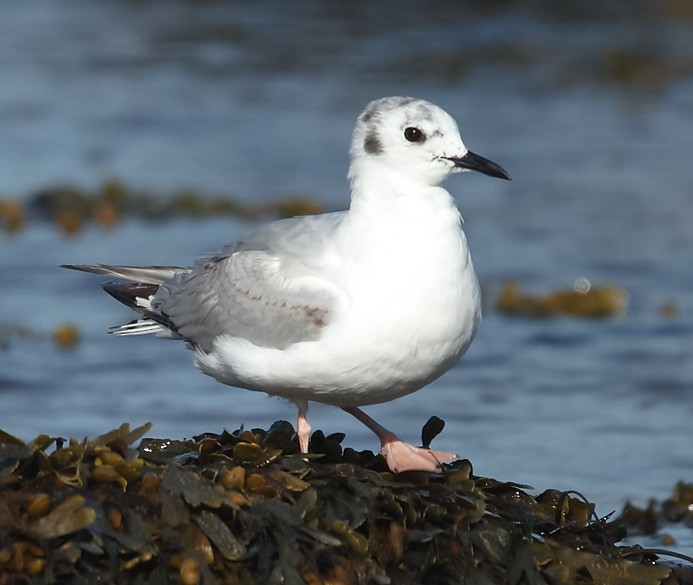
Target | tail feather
(143,327)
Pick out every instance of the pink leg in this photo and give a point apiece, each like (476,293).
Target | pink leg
(303,429)
(402,456)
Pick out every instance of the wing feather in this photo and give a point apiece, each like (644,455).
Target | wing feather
(247,294)
(273,288)
(142,274)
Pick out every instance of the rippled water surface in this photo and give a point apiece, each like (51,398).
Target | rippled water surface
(590,113)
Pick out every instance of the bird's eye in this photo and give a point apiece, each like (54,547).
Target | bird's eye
(413,134)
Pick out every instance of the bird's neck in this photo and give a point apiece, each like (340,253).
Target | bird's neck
(391,217)
(382,195)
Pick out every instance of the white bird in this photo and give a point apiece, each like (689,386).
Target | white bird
(348,308)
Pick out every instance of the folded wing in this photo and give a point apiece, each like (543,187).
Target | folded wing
(270,289)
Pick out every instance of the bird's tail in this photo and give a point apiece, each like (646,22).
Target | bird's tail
(137,294)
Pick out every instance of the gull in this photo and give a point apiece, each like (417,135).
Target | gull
(348,308)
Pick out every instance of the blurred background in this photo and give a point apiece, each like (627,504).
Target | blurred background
(155,132)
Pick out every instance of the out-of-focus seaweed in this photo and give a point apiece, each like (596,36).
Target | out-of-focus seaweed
(11,331)
(65,335)
(656,517)
(12,216)
(582,300)
(246,507)
(70,208)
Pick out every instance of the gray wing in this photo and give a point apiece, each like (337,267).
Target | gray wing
(271,288)
(143,274)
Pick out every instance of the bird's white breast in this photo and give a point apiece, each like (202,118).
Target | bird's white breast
(415,302)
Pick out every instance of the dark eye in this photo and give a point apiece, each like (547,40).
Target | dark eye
(414,134)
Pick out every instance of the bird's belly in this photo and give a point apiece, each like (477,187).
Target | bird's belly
(398,355)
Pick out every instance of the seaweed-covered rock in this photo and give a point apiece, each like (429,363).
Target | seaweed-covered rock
(247,507)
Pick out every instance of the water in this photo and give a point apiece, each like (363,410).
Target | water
(259,103)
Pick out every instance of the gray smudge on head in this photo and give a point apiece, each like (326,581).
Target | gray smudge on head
(371,118)
(372,144)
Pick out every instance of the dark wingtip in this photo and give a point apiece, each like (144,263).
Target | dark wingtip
(128,292)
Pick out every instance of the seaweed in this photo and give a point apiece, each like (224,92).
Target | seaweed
(583,300)
(246,507)
(69,208)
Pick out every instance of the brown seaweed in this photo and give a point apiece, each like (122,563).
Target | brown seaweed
(583,300)
(246,507)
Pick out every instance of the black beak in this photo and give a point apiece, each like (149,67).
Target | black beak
(474,162)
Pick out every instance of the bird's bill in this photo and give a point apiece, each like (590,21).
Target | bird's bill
(474,162)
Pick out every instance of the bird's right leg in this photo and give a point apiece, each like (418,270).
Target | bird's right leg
(402,456)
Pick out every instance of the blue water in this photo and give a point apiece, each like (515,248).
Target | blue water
(258,101)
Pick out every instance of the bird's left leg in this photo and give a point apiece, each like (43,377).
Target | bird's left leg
(303,428)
